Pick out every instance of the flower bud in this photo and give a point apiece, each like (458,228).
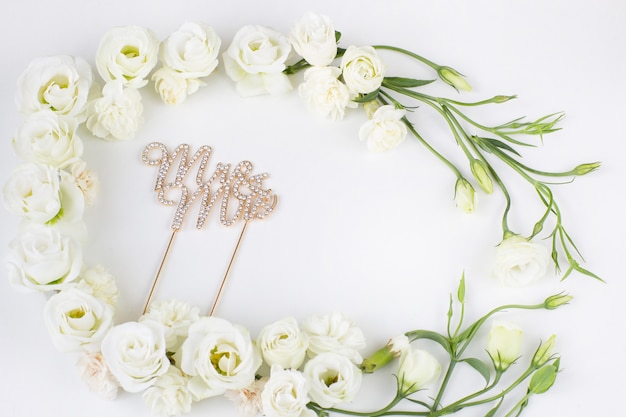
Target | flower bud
(503,99)
(417,369)
(542,379)
(370,108)
(481,173)
(583,169)
(555,301)
(452,77)
(464,195)
(394,348)
(544,352)
(505,344)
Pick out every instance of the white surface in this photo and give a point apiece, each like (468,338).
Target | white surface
(374,236)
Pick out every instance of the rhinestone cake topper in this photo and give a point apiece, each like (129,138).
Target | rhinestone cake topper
(240,194)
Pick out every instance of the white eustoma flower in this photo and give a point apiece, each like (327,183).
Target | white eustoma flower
(34,192)
(286,394)
(86,180)
(117,114)
(326,96)
(173,86)
(334,333)
(58,83)
(313,38)
(333,379)
(464,195)
(42,259)
(49,138)
(77,321)
(175,316)
(169,395)
(283,343)
(363,70)
(520,261)
(192,50)
(417,369)
(505,343)
(98,282)
(127,54)
(95,373)
(135,354)
(385,130)
(219,356)
(255,60)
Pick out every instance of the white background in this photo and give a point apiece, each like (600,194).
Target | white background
(376,237)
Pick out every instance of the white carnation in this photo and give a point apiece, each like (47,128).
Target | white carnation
(385,130)
(326,96)
(98,282)
(169,395)
(95,372)
(86,180)
(313,38)
(175,317)
(334,333)
(117,114)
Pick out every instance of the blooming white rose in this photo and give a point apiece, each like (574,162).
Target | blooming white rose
(49,138)
(505,343)
(169,395)
(95,372)
(520,261)
(286,394)
(417,369)
(333,379)
(127,54)
(42,259)
(135,353)
(192,50)
(98,282)
(34,192)
(76,320)
(363,70)
(385,130)
(219,356)
(248,400)
(58,83)
(283,343)
(325,95)
(117,114)
(255,60)
(334,333)
(173,86)
(313,38)
(175,317)
(86,180)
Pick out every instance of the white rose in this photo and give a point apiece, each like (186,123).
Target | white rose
(117,114)
(173,86)
(169,395)
(98,282)
(175,317)
(325,95)
(34,192)
(520,261)
(95,372)
(58,83)
(385,130)
(255,60)
(333,379)
(127,54)
(504,343)
(86,180)
(334,333)
(135,354)
(417,369)
(42,259)
(49,138)
(313,38)
(192,50)
(76,320)
(286,394)
(363,70)
(283,343)
(219,356)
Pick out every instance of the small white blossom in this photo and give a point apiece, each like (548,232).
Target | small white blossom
(86,180)
(169,395)
(283,343)
(326,96)
(286,394)
(520,261)
(504,344)
(335,333)
(172,86)
(117,114)
(333,379)
(248,400)
(363,70)
(417,369)
(98,282)
(175,317)
(313,38)
(95,372)
(385,130)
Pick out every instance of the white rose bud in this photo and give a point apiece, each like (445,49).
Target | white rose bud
(192,50)
(313,38)
(363,70)
(520,261)
(255,60)
(334,333)
(117,114)
(127,54)
(286,394)
(324,94)
(504,344)
(334,379)
(77,321)
(58,83)
(283,343)
(385,130)
(417,369)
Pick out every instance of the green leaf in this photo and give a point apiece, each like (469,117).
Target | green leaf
(367,97)
(337,36)
(428,334)
(406,82)
(493,411)
(501,145)
(480,366)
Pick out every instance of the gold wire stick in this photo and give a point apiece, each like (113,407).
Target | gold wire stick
(158,274)
(230,264)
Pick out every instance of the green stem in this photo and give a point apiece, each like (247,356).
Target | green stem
(409,53)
